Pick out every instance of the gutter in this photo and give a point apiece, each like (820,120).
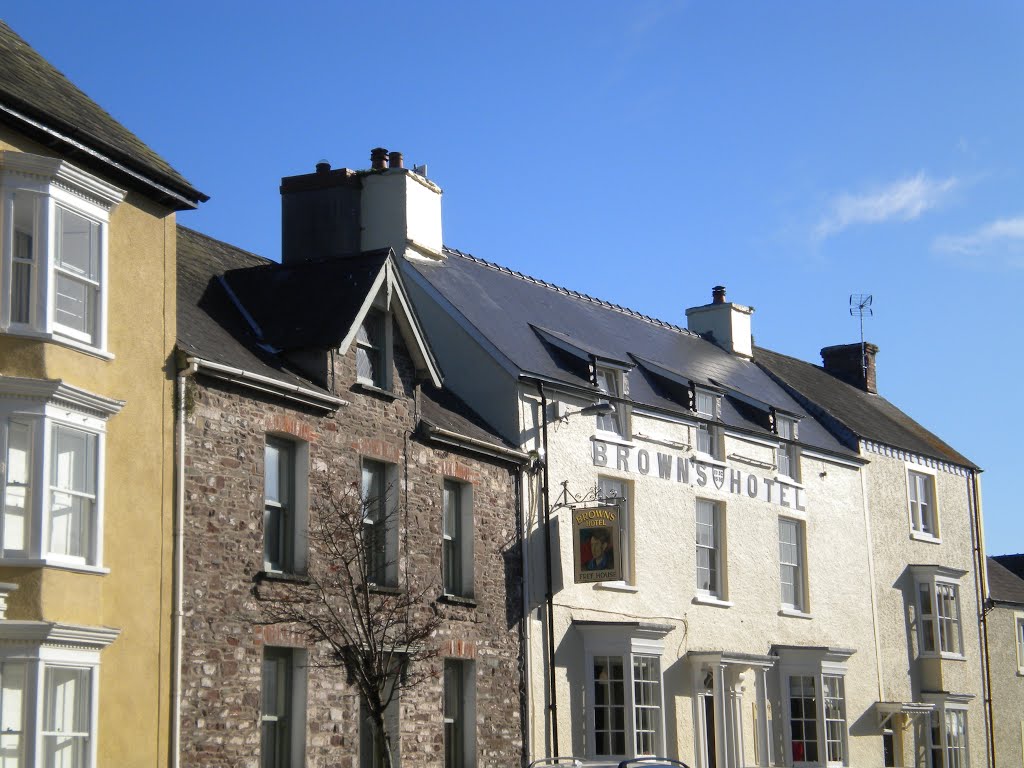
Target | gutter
(574,389)
(255,381)
(184,202)
(480,446)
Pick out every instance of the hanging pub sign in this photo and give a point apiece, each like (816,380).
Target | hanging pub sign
(596,533)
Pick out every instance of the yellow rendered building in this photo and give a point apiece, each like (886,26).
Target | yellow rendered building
(87,497)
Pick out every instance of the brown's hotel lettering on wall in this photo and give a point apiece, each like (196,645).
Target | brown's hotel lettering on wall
(701,474)
(596,535)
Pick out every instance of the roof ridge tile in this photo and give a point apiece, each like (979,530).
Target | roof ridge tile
(569,292)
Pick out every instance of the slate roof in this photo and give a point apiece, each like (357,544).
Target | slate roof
(33,90)
(867,416)
(211,327)
(1005,585)
(322,298)
(443,409)
(508,309)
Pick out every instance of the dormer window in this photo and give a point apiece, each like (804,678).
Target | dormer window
(709,436)
(788,453)
(610,382)
(54,222)
(373,359)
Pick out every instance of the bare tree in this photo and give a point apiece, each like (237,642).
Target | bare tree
(373,615)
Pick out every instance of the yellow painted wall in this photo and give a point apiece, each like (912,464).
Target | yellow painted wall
(135,597)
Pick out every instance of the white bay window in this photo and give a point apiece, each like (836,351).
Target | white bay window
(625,700)
(48,693)
(812,683)
(54,221)
(938,610)
(51,460)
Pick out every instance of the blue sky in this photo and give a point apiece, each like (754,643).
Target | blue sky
(641,152)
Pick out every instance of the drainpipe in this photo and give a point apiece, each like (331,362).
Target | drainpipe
(550,595)
(981,565)
(179,560)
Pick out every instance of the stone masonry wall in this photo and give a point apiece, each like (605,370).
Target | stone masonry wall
(223,641)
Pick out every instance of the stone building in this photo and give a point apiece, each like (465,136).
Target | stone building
(734,558)
(87,287)
(316,371)
(1005,628)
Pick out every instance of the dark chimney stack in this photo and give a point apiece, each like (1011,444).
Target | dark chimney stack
(395,160)
(718,294)
(323,167)
(853,364)
(378,158)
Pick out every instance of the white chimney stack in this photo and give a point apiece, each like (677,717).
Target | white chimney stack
(726,324)
(400,209)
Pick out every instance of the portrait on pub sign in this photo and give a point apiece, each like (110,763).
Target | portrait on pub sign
(596,544)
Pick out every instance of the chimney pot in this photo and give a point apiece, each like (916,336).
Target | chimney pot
(718,294)
(323,167)
(847,362)
(395,160)
(378,158)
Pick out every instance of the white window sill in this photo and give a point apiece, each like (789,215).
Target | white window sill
(712,600)
(925,537)
(30,562)
(793,613)
(789,481)
(707,458)
(616,586)
(612,437)
(64,341)
(943,656)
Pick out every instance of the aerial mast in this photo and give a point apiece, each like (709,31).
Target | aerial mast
(860,306)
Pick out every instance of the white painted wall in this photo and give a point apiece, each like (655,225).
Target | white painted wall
(665,565)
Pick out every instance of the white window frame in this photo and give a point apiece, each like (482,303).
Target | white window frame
(380,354)
(953,751)
(52,185)
(788,453)
(43,407)
(458,710)
(291,508)
(289,666)
(818,665)
(380,508)
(714,544)
(38,646)
(612,381)
(1018,627)
(923,478)
(457,538)
(932,622)
(629,643)
(801,602)
(708,405)
(616,488)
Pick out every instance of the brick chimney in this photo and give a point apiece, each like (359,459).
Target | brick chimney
(725,323)
(847,363)
(339,212)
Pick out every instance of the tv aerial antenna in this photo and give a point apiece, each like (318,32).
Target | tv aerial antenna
(860,307)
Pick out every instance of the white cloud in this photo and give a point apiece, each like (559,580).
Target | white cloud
(903,200)
(1002,238)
